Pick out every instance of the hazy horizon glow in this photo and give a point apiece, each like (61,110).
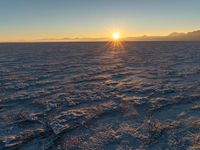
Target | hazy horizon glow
(27,20)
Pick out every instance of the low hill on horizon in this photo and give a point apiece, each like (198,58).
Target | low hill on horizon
(175,36)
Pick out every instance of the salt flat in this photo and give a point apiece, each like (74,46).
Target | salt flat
(145,95)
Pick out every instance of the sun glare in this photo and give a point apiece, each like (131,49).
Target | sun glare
(116,36)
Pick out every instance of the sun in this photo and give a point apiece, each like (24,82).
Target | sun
(116,36)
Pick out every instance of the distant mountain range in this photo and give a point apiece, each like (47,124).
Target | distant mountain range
(190,36)
(175,36)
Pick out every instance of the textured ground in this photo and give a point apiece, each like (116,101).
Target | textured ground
(90,96)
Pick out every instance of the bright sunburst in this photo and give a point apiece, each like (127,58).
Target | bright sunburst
(116,36)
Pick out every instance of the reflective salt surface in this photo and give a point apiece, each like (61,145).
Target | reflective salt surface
(91,96)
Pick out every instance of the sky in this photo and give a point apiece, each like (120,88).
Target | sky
(26,20)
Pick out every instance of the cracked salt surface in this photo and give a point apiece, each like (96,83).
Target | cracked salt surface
(88,96)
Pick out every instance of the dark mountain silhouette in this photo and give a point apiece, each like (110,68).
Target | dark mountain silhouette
(175,36)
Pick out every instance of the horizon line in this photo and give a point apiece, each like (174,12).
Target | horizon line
(125,41)
(106,39)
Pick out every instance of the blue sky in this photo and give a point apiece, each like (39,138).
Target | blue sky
(29,19)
